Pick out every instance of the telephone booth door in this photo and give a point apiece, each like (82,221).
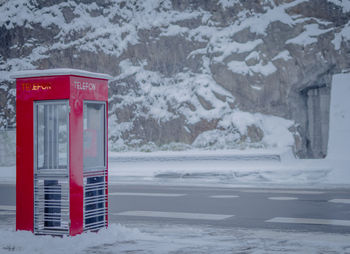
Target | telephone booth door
(51,172)
(94,164)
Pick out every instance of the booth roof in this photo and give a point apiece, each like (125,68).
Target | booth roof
(58,72)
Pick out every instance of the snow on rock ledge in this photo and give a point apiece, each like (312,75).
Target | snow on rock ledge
(181,68)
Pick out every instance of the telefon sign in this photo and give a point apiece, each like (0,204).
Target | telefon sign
(36,86)
(84,86)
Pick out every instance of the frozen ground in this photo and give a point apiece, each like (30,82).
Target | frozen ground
(151,238)
(243,168)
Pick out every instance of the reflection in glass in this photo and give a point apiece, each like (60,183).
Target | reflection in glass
(94,136)
(52,136)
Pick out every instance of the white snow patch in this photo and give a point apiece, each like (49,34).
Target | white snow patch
(160,238)
(343,35)
(229,47)
(228,3)
(258,88)
(180,92)
(234,125)
(253,55)
(58,72)
(275,129)
(174,30)
(308,36)
(259,22)
(26,242)
(217,139)
(283,55)
(242,68)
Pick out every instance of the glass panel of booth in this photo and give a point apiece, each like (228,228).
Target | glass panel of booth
(94,164)
(51,135)
(94,135)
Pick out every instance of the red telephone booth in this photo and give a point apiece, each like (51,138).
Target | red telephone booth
(62,167)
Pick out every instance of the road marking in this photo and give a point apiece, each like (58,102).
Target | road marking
(339,200)
(283,191)
(175,215)
(8,207)
(146,194)
(310,221)
(283,198)
(224,196)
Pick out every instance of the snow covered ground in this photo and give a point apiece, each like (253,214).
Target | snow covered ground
(253,168)
(229,168)
(151,238)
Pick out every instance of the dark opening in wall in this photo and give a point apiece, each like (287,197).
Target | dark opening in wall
(317,123)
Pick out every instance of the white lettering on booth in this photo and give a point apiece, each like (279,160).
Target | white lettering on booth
(84,86)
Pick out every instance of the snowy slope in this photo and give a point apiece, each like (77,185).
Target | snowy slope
(222,74)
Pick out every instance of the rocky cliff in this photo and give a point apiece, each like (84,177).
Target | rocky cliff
(205,74)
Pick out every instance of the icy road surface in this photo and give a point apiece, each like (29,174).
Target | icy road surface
(176,219)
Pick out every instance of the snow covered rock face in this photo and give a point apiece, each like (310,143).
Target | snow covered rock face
(188,72)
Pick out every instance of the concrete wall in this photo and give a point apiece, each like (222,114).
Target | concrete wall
(7,147)
(318,104)
(339,131)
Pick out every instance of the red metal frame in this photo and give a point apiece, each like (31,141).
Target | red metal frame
(76,89)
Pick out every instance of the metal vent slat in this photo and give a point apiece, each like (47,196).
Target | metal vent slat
(95,200)
(51,205)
